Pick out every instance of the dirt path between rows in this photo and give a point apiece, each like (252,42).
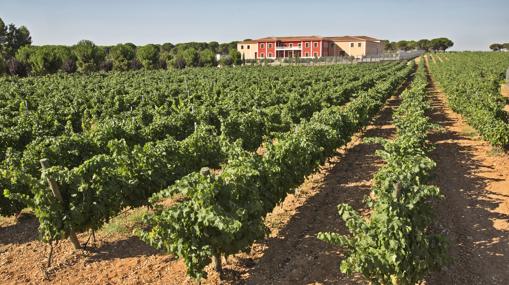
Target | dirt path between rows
(475,211)
(504,90)
(295,255)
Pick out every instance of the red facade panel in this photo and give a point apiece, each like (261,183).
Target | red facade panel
(262,49)
(316,48)
(306,48)
(266,49)
(271,49)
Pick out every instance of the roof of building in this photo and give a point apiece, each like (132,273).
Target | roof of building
(353,38)
(248,42)
(290,38)
(312,38)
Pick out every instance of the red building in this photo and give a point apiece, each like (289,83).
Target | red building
(310,47)
(285,47)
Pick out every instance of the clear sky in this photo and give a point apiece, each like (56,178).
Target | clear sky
(472,25)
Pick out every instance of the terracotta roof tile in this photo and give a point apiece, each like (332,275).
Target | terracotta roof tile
(352,38)
(313,38)
(291,38)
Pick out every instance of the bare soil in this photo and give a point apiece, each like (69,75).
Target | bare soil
(504,90)
(114,259)
(474,214)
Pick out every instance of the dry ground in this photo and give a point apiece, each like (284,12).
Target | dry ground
(504,90)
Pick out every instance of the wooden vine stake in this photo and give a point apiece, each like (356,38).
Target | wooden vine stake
(53,185)
(218,265)
(50,254)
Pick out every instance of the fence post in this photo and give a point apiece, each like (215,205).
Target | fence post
(53,185)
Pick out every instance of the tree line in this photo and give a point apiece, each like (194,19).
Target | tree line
(437,44)
(499,47)
(19,57)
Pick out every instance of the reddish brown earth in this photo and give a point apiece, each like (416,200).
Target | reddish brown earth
(115,260)
(504,90)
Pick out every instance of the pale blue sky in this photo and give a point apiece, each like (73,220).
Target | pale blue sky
(472,25)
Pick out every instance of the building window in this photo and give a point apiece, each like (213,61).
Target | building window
(262,55)
(351,45)
(241,47)
(315,44)
(307,44)
(315,54)
(270,45)
(262,45)
(307,54)
(300,45)
(248,47)
(270,54)
(291,45)
(359,44)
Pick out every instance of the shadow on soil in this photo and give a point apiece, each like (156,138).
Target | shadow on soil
(124,248)
(480,252)
(25,230)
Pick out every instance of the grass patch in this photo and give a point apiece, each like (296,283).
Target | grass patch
(468,131)
(496,151)
(125,223)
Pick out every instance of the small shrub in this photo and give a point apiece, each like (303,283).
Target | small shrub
(69,66)
(106,65)
(3,65)
(16,68)
(135,65)
(226,60)
(163,64)
(179,63)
